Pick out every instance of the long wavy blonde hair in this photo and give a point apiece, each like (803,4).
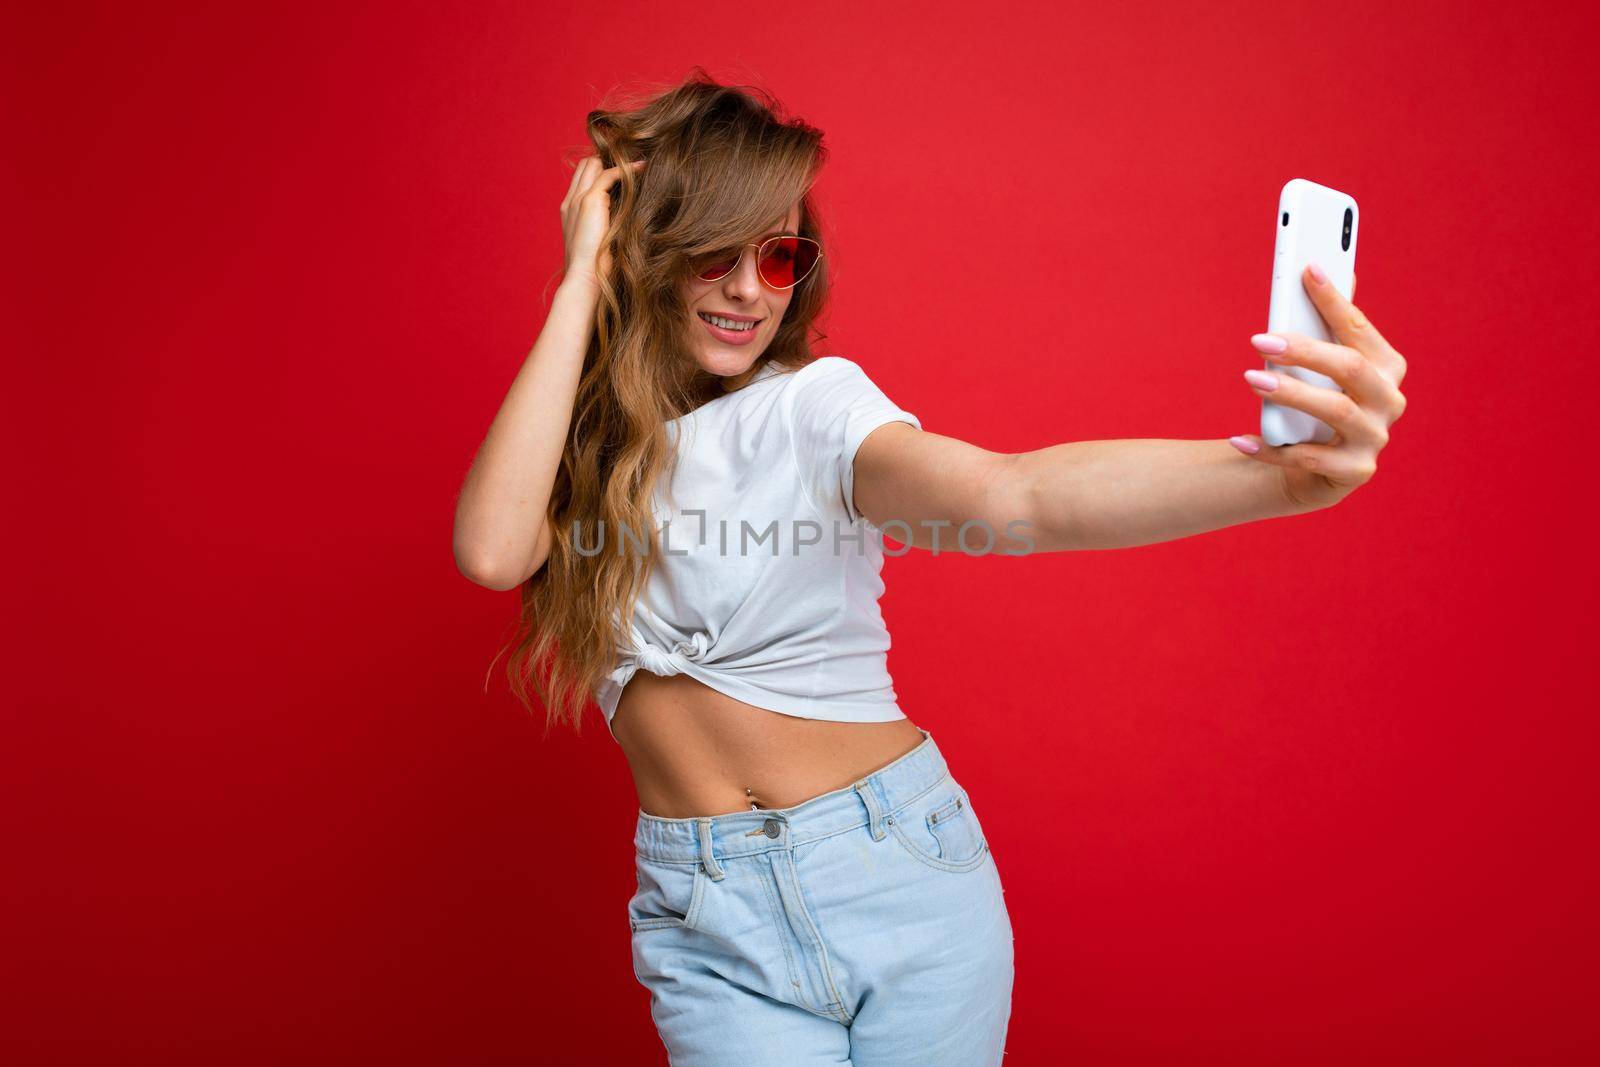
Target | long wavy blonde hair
(722,162)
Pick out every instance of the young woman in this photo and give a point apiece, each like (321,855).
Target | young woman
(692,503)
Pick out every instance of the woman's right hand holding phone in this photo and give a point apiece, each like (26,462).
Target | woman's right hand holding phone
(1368,371)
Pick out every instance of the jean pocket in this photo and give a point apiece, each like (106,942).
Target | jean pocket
(667,894)
(941,829)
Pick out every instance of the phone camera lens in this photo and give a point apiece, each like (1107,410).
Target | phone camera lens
(1349,218)
(1286,218)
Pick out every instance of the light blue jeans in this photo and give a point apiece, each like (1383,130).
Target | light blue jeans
(866,926)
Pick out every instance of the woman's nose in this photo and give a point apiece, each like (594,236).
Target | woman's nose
(745,279)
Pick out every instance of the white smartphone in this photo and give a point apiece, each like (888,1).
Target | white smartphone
(1315,224)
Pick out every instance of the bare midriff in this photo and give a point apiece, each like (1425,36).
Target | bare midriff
(697,752)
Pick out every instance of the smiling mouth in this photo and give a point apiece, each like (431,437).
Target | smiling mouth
(728,324)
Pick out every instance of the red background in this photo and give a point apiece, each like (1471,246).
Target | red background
(1316,790)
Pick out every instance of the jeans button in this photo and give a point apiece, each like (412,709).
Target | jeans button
(771,827)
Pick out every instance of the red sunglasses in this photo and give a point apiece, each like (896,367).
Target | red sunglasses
(783,262)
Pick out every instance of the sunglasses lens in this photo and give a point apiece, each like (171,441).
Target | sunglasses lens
(710,268)
(788,260)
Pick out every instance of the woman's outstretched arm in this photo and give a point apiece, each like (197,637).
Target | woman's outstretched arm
(1118,494)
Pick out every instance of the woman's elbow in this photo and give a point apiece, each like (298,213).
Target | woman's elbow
(1018,505)
(483,568)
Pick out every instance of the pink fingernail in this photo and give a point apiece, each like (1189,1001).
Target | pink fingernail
(1245,445)
(1269,343)
(1316,272)
(1261,379)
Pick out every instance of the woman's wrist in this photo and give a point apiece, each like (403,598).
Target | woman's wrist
(580,286)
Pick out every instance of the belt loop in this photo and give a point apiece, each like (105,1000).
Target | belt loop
(707,860)
(863,789)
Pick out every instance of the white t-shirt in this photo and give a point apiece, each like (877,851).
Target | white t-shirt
(768,584)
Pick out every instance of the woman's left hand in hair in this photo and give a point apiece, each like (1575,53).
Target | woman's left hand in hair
(1365,366)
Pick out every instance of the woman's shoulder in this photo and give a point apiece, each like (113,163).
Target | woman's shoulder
(831,380)
(814,389)
(821,366)
(827,375)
